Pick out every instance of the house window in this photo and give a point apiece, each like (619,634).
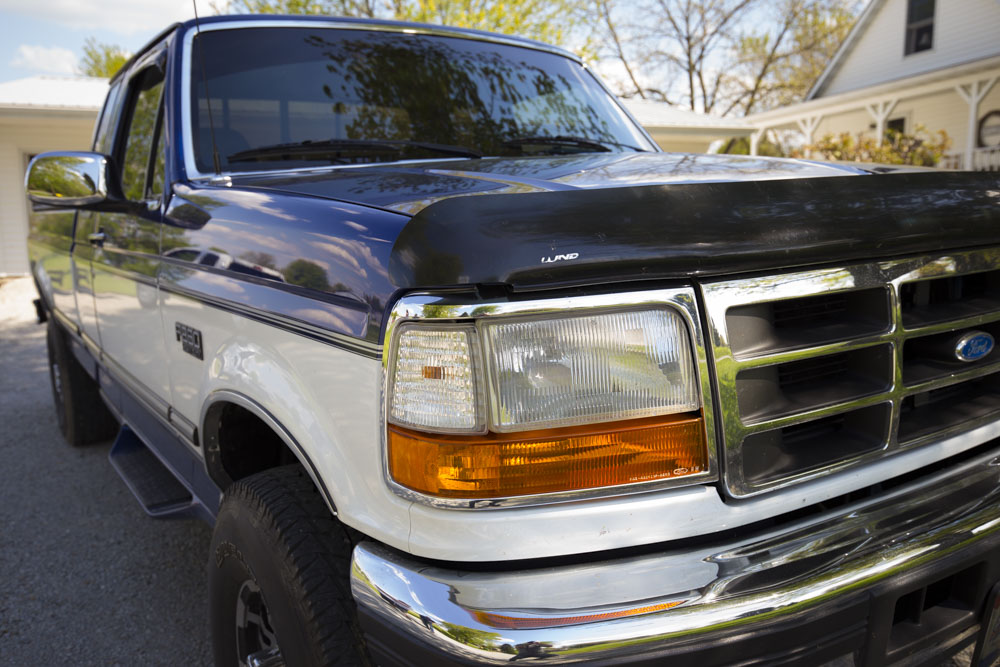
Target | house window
(897,125)
(919,25)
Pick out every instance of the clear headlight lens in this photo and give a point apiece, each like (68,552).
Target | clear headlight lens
(546,373)
(433,383)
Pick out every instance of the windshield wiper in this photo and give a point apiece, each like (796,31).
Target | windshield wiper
(311,150)
(558,140)
(333,148)
(566,140)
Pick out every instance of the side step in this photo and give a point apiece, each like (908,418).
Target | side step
(156,488)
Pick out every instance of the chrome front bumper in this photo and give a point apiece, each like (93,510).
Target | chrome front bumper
(630,607)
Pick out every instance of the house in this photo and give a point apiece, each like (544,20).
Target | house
(683,131)
(905,63)
(38,114)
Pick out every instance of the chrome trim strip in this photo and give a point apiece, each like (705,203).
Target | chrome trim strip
(721,295)
(359,346)
(411,29)
(446,308)
(184,425)
(65,321)
(688,595)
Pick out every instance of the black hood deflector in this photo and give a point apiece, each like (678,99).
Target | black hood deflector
(697,229)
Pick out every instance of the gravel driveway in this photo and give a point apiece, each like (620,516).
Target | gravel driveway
(87,578)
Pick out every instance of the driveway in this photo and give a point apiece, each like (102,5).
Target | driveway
(87,578)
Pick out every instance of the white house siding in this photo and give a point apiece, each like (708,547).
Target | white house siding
(851,122)
(964,30)
(21,136)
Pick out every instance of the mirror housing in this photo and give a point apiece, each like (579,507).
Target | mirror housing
(68,179)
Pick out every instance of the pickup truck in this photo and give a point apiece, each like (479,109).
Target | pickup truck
(463,369)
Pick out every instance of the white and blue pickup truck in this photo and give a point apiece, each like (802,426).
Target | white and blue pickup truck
(464,370)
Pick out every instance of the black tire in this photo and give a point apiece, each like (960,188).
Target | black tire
(278,574)
(82,416)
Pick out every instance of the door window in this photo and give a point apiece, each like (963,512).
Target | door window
(142,128)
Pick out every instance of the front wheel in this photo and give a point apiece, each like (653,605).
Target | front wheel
(278,577)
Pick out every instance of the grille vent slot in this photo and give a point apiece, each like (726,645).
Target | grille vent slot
(786,452)
(799,386)
(950,298)
(929,357)
(929,412)
(791,324)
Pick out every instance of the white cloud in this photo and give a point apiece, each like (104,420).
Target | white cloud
(49,59)
(124,17)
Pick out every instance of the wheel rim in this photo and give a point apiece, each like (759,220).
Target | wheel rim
(256,643)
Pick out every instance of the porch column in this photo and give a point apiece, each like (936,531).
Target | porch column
(973,93)
(808,127)
(755,139)
(880,112)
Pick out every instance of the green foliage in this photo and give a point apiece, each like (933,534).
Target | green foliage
(481,639)
(544,20)
(304,273)
(102,60)
(549,21)
(363,8)
(741,146)
(921,148)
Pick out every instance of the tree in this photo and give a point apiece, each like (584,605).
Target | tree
(546,20)
(358,8)
(779,60)
(304,273)
(723,56)
(671,39)
(102,60)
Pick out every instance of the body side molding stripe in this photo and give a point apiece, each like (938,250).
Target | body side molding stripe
(297,326)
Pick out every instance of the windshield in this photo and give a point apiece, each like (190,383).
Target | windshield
(304,96)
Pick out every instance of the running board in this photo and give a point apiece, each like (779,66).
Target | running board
(156,488)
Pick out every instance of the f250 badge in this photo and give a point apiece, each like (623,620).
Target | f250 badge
(559,258)
(190,339)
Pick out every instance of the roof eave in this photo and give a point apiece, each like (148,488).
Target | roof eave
(847,45)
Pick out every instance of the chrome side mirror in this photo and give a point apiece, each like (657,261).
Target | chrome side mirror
(68,179)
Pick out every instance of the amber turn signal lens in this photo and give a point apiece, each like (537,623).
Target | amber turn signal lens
(565,459)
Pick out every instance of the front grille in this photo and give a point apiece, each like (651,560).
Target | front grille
(819,371)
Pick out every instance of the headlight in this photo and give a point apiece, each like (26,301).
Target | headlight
(513,406)
(596,368)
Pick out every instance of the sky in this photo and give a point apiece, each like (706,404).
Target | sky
(46,36)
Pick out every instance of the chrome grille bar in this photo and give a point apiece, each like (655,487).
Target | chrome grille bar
(851,311)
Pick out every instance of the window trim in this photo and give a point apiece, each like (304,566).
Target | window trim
(912,26)
(120,146)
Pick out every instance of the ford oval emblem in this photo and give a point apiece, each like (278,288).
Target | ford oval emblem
(973,346)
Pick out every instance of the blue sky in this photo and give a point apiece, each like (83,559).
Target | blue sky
(46,36)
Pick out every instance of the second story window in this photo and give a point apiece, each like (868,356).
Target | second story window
(919,25)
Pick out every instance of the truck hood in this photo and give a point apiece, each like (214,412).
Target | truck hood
(537,223)
(410,188)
